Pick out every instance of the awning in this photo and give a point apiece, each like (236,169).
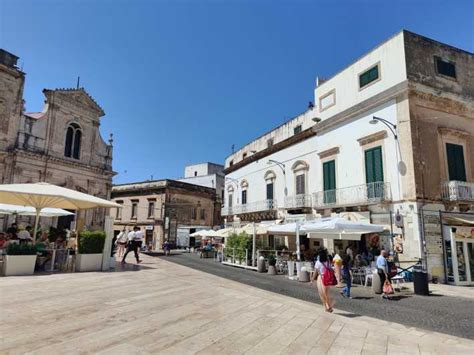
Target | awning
(339,228)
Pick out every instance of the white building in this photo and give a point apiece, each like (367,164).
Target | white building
(335,159)
(207,175)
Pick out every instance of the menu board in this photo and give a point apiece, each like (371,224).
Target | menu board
(433,239)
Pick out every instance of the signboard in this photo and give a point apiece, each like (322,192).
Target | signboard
(433,239)
(149,228)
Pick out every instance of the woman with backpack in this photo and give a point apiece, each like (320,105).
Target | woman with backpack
(324,274)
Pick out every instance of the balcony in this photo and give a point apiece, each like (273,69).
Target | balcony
(457,191)
(365,194)
(298,201)
(258,206)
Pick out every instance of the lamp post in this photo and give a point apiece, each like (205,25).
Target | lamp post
(389,124)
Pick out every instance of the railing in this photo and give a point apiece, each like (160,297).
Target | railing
(237,257)
(373,192)
(457,191)
(298,201)
(227,211)
(264,205)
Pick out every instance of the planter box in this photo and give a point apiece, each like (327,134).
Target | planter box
(19,265)
(89,262)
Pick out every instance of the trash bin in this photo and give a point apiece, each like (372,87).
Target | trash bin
(420,282)
(261,264)
(376,283)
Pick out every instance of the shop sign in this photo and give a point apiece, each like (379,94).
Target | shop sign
(464,232)
(149,228)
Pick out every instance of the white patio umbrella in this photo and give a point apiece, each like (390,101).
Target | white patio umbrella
(204,233)
(225,232)
(30,211)
(41,195)
(340,228)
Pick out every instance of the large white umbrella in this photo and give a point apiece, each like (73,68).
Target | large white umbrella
(340,228)
(205,233)
(41,195)
(225,232)
(31,211)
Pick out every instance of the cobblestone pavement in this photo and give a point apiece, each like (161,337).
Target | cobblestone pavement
(445,314)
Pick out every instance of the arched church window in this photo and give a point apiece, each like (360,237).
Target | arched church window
(72,147)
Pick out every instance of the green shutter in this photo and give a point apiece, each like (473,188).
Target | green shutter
(456,167)
(329,181)
(373,165)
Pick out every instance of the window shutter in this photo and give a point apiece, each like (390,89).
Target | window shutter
(329,175)
(270,191)
(373,165)
(456,167)
(300,184)
(244,197)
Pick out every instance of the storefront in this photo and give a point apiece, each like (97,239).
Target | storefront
(459,254)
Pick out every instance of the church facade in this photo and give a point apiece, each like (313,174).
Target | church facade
(61,145)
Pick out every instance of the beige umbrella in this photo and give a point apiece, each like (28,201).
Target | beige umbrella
(225,232)
(30,211)
(42,195)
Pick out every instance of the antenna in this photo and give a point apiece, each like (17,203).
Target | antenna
(233,148)
(78,81)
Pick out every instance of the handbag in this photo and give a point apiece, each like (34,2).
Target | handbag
(328,276)
(387,288)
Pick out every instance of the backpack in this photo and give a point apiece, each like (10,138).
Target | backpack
(328,276)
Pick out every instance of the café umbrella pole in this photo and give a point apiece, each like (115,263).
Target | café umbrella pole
(298,252)
(38,210)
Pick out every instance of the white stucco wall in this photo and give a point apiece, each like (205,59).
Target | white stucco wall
(350,169)
(392,71)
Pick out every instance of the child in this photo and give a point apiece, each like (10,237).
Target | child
(347,275)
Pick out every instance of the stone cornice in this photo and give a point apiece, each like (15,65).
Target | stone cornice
(67,162)
(362,107)
(307,133)
(328,152)
(372,137)
(453,132)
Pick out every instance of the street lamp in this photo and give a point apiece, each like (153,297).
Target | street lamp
(280,164)
(389,124)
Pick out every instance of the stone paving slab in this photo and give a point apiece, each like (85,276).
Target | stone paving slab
(170,309)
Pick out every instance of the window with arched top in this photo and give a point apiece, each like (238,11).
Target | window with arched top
(300,170)
(72,146)
(244,186)
(270,182)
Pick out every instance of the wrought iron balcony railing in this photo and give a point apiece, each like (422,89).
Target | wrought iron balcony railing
(374,192)
(257,206)
(457,191)
(298,201)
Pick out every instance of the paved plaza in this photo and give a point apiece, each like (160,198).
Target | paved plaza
(163,307)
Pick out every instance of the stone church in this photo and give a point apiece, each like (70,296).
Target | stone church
(61,145)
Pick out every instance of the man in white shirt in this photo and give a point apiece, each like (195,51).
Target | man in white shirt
(23,234)
(134,242)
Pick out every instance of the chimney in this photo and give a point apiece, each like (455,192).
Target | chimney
(8,59)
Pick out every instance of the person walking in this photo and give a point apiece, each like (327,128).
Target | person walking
(347,276)
(337,261)
(322,269)
(121,242)
(132,245)
(139,236)
(382,270)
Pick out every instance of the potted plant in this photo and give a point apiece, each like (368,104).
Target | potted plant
(271,265)
(90,248)
(20,260)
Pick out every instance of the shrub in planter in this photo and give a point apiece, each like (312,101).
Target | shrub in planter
(271,265)
(21,249)
(91,245)
(20,259)
(91,242)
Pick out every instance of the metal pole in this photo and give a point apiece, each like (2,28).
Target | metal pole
(254,244)
(36,223)
(298,256)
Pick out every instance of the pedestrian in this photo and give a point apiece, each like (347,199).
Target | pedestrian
(347,276)
(322,270)
(382,270)
(132,245)
(121,242)
(337,261)
(139,235)
(350,252)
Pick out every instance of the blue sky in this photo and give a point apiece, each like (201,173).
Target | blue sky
(181,81)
